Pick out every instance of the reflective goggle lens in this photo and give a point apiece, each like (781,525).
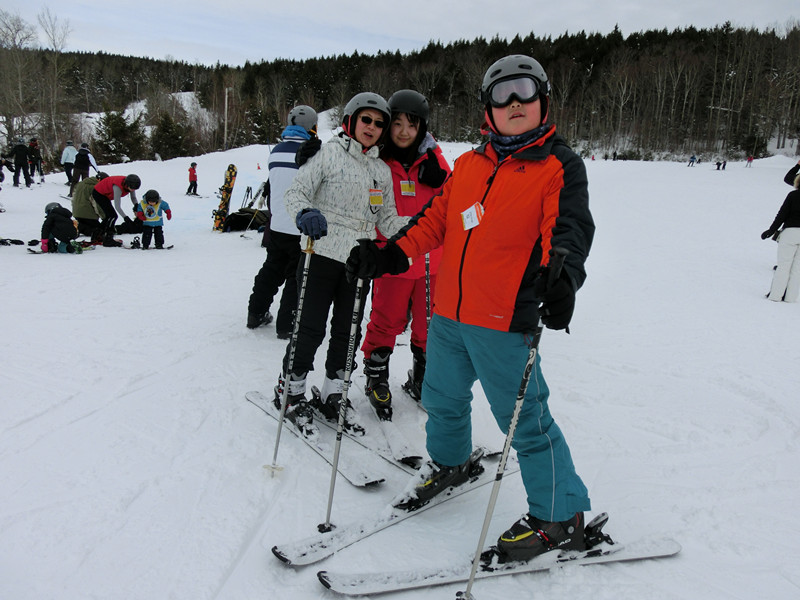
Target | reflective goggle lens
(523,89)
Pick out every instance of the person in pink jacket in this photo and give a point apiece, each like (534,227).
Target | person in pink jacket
(418,173)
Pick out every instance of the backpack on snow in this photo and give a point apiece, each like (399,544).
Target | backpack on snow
(246,218)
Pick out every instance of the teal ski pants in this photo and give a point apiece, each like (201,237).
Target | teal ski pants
(457,356)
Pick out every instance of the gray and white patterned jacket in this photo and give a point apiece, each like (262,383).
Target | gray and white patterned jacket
(344,183)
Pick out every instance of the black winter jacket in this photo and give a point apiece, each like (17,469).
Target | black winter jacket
(59,225)
(789,213)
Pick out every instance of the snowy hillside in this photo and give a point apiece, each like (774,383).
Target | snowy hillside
(132,466)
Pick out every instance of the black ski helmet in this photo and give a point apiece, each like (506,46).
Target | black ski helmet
(193,164)
(411,103)
(361,101)
(511,67)
(50,207)
(132,182)
(303,116)
(101,175)
(151,195)
(85,145)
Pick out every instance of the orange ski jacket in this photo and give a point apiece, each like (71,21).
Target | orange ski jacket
(533,200)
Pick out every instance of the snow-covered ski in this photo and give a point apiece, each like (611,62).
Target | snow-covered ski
(318,547)
(356,464)
(394,449)
(394,581)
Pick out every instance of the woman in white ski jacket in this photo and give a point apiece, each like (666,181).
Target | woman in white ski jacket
(339,196)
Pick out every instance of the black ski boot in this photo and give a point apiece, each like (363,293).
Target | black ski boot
(328,401)
(298,411)
(529,537)
(413,387)
(376,368)
(434,478)
(255,320)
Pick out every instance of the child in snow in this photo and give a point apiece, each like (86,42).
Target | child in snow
(192,191)
(505,206)
(340,195)
(418,172)
(59,230)
(149,211)
(786,279)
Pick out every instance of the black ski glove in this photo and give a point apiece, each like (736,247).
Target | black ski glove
(766,234)
(430,172)
(558,299)
(368,261)
(306,150)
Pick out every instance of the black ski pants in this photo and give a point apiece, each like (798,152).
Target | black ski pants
(279,268)
(149,232)
(326,286)
(108,209)
(22,168)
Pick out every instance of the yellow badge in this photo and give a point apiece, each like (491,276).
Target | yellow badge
(408,188)
(375,197)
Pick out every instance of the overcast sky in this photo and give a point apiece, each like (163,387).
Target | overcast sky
(201,31)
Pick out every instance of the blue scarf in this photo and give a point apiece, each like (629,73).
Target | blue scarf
(506,145)
(296,131)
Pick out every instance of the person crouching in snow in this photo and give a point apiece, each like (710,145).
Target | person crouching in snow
(149,211)
(59,230)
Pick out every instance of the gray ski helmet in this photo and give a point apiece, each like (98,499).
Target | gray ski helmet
(50,207)
(411,103)
(151,195)
(360,102)
(69,143)
(132,182)
(304,116)
(510,67)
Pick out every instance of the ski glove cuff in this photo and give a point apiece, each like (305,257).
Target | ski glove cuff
(558,299)
(368,261)
(430,171)
(312,223)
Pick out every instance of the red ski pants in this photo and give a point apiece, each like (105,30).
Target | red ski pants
(391,299)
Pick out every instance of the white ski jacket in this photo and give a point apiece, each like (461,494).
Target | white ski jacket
(352,189)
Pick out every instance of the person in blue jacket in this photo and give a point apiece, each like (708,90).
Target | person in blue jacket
(149,211)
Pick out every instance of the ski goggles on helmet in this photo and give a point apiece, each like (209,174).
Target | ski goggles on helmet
(502,93)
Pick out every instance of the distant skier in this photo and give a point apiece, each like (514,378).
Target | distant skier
(80,169)
(20,155)
(68,160)
(35,160)
(692,160)
(192,191)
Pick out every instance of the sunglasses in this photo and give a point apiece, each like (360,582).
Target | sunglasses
(524,89)
(369,121)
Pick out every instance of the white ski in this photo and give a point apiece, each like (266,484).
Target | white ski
(318,547)
(393,581)
(356,464)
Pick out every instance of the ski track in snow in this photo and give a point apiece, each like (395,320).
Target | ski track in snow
(132,467)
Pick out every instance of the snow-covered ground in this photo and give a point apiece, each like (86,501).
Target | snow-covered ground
(131,466)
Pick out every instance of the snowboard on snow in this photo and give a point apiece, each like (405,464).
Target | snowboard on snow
(226,191)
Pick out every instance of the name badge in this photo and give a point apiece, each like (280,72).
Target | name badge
(376,197)
(472,216)
(408,188)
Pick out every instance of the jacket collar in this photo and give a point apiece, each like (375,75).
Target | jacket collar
(537,150)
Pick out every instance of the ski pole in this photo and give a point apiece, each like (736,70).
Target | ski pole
(246,229)
(348,369)
(428,290)
(292,347)
(557,256)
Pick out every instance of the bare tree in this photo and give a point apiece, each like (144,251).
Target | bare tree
(16,37)
(56,31)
